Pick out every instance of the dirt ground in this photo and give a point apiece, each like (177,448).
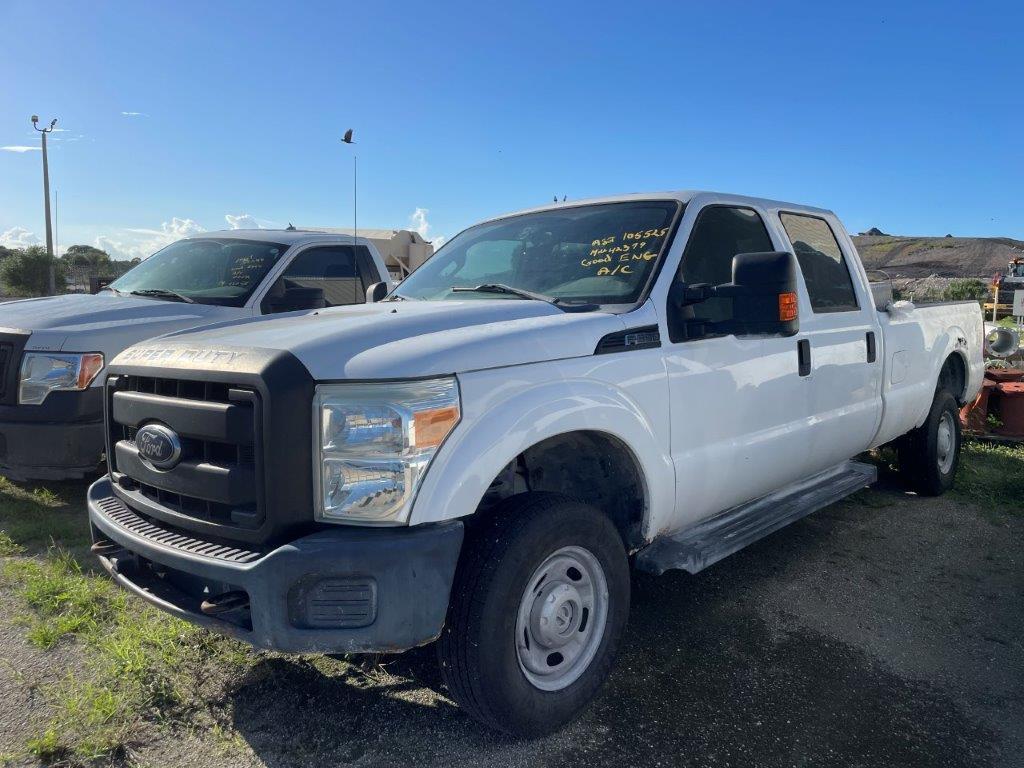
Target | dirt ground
(883,631)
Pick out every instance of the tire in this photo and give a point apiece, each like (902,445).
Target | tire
(499,595)
(929,456)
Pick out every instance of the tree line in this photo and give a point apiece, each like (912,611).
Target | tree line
(26,271)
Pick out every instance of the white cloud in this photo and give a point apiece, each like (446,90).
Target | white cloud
(142,243)
(18,237)
(418,221)
(135,114)
(242,221)
(20,148)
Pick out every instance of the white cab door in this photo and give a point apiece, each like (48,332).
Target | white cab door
(842,388)
(738,411)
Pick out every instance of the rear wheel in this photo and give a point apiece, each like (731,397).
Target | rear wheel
(929,456)
(538,607)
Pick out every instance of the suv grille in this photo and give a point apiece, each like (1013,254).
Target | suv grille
(6,358)
(12,343)
(216,484)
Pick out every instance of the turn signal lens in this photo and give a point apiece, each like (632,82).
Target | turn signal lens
(91,366)
(430,428)
(787,307)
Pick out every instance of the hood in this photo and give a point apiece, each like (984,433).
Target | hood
(68,322)
(405,339)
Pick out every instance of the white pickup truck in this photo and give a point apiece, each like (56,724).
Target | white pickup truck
(52,350)
(556,395)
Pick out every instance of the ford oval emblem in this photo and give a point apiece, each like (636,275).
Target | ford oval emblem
(158,446)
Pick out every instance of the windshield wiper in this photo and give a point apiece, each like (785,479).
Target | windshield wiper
(163,293)
(524,294)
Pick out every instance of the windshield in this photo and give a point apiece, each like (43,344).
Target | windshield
(207,271)
(591,254)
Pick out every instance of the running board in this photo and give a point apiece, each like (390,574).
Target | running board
(704,544)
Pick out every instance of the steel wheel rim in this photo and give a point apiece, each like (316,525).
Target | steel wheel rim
(945,443)
(561,618)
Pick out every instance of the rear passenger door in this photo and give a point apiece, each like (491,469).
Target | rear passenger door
(842,385)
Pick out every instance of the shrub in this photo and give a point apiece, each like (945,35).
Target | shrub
(27,273)
(971,289)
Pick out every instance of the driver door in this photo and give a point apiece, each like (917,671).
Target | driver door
(737,406)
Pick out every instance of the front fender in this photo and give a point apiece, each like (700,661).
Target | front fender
(502,418)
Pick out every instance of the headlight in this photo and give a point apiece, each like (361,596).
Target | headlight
(46,372)
(373,444)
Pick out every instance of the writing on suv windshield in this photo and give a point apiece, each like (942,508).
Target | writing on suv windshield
(589,254)
(206,271)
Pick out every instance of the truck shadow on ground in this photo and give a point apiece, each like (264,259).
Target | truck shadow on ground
(702,679)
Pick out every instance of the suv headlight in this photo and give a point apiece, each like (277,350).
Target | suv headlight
(46,372)
(373,443)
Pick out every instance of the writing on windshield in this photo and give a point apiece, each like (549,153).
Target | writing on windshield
(599,254)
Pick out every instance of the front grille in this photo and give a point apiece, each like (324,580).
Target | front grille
(8,376)
(216,483)
(6,351)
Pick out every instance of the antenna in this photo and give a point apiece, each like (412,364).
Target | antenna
(347,139)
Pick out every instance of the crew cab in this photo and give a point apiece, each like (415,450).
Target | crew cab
(54,350)
(557,395)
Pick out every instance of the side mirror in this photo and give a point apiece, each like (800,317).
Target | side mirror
(295,299)
(764,298)
(765,294)
(376,292)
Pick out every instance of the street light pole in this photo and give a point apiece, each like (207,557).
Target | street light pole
(46,202)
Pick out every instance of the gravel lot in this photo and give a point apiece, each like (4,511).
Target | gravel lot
(884,631)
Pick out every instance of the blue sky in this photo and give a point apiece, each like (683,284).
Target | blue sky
(906,116)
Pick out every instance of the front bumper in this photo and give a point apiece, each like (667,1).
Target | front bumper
(61,439)
(338,590)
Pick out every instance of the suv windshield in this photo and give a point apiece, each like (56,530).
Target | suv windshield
(590,254)
(206,271)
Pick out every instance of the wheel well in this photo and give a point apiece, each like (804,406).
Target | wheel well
(593,467)
(953,376)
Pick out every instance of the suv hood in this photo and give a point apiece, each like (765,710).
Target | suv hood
(104,322)
(404,339)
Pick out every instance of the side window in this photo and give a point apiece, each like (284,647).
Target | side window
(719,234)
(821,260)
(332,269)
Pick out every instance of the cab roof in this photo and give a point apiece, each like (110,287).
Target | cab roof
(683,196)
(282,236)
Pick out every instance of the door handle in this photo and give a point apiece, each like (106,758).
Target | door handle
(803,353)
(870,340)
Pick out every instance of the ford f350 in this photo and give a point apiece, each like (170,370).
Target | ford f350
(650,381)
(53,350)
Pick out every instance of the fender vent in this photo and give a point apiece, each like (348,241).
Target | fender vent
(645,337)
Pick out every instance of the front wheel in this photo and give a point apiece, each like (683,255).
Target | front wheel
(538,608)
(929,456)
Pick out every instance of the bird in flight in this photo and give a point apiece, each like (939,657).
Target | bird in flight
(347,138)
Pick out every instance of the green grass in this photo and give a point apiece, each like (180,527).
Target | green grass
(992,477)
(34,519)
(140,664)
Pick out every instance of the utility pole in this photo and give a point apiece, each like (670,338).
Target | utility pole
(46,202)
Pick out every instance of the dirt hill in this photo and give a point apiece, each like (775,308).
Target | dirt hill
(943,256)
